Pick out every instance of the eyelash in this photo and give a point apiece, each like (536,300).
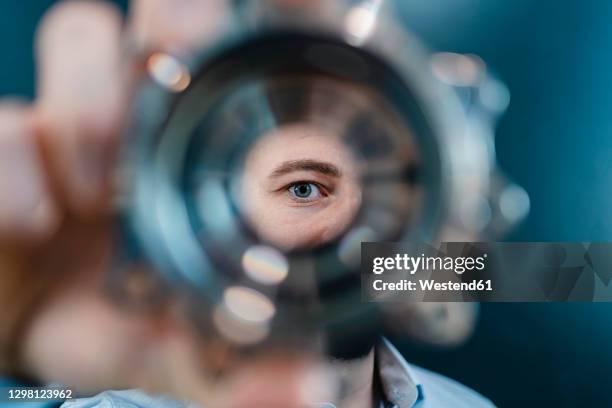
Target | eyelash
(322,189)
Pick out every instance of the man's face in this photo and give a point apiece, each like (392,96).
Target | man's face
(300,187)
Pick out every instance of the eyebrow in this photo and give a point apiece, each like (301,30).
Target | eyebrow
(306,165)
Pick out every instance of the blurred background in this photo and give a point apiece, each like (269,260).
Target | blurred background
(555,140)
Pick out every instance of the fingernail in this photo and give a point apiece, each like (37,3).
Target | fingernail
(81,96)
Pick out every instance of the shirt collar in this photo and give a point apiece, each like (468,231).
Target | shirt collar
(399,383)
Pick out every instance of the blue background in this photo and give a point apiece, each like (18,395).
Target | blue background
(555,140)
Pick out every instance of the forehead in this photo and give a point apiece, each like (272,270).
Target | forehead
(296,142)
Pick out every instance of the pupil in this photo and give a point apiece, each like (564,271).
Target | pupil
(302,190)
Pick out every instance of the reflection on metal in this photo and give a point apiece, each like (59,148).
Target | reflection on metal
(212,199)
(237,330)
(360,21)
(514,203)
(168,72)
(248,304)
(494,95)
(265,265)
(483,215)
(349,250)
(458,69)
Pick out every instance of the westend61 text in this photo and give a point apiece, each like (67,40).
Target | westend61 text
(432,285)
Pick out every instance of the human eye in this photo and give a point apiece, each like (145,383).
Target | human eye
(306,192)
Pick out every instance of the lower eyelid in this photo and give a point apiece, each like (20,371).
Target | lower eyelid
(304,200)
(307,202)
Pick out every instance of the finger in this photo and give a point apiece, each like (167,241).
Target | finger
(81,97)
(176,25)
(27,210)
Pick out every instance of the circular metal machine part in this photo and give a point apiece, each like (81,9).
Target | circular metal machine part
(256,169)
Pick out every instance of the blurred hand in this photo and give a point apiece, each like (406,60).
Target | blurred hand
(56,161)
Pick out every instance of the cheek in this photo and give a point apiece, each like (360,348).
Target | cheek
(291,228)
(338,219)
(254,204)
(307,228)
